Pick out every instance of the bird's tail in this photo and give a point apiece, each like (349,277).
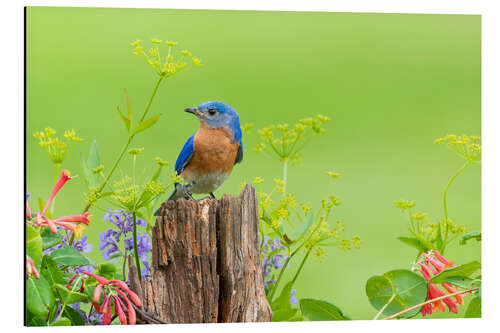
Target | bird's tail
(176,194)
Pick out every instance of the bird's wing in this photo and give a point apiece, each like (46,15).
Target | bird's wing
(239,155)
(185,155)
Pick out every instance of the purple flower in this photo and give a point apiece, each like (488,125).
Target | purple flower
(123,226)
(293,300)
(81,245)
(272,259)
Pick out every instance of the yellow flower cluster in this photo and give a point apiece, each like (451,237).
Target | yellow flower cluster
(57,149)
(468,147)
(167,66)
(285,141)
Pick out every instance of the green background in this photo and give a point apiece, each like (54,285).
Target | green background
(391,83)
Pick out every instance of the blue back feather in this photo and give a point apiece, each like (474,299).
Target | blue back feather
(185,155)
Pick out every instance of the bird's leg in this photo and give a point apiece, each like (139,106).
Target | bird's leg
(186,189)
(212,196)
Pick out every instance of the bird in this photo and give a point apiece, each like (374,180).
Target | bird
(209,155)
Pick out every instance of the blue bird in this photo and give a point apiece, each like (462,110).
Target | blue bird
(208,156)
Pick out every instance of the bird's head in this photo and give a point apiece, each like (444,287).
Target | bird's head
(217,115)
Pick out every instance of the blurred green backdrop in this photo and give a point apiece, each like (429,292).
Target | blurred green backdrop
(391,83)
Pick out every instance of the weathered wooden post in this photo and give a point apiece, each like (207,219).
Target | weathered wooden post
(206,263)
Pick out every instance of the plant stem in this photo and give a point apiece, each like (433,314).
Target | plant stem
(136,251)
(430,301)
(301,265)
(445,205)
(151,99)
(131,136)
(385,306)
(285,174)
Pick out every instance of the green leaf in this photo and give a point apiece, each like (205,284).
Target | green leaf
(303,227)
(51,271)
(460,281)
(145,124)
(320,310)
(39,296)
(70,297)
(107,270)
(93,162)
(33,244)
(471,235)
(61,321)
(415,243)
(69,256)
(284,314)
(49,239)
(33,320)
(464,270)
(126,120)
(75,317)
(129,106)
(408,287)
(439,239)
(474,308)
(283,300)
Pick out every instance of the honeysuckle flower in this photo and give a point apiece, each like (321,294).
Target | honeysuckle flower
(112,291)
(31,268)
(433,264)
(72,222)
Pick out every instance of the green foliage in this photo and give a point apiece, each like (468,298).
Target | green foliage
(451,274)
(145,124)
(49,239)
(397,290)
(51,271)
(474,308)
(320,310)
(107,270)
(471,235)
(61,321)
(69,256)
(416,243)
(74,316)
(33,244)
(39,296)
(69,296)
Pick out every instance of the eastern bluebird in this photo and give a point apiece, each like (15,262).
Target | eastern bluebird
(208,156)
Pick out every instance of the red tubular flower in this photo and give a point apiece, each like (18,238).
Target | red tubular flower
(28,210)
(100,279)
(131,311)
(81,218)
(31,269)
(97,293)
(106,309)
(71,222)
(434,259)
(119,310)
(120,284)
(65,176)
(114,287)
(68,285)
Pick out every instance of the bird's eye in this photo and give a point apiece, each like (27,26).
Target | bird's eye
(212,111)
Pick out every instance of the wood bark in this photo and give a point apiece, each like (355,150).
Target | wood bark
(206,263)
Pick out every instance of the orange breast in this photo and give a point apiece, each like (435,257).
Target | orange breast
(214,152)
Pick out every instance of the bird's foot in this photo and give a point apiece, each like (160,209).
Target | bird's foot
(211,197)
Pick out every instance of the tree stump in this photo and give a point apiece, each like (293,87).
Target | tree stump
(206,263)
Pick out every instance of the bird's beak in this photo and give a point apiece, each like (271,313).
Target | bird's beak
(194,111)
